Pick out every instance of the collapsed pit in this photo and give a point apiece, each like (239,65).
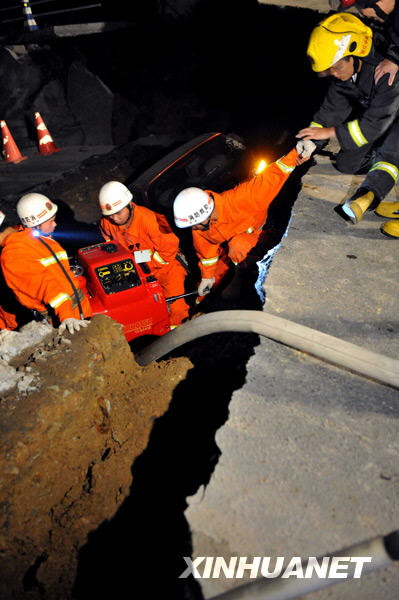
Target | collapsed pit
(99,456)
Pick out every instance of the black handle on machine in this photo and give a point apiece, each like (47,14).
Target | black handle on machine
(173,298)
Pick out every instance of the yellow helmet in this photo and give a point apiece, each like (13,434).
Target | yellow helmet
(341,34)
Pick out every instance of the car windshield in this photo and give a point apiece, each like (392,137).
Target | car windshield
(209,165)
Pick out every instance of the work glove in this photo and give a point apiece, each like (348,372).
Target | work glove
(305,148)
(205,286)
(72,325)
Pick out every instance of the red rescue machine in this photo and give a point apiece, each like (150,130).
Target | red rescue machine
(123,289)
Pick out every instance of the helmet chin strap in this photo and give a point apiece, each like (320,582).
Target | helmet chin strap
(130,207)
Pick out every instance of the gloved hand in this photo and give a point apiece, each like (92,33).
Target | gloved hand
(72,325)
(305,148)
(205,286)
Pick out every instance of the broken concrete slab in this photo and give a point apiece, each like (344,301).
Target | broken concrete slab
(15,348)
(16,343)
(85,91)
(321,6)
(308,460)
(339,278)
(8,378)
(15,179)
(64,128)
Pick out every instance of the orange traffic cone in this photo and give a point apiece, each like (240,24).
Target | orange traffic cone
(10,148)
(46,144)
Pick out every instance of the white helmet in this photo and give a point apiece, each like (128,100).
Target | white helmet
(113,197)
(34,209)
(192,206)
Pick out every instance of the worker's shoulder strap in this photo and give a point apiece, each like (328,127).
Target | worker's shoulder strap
(108,236)
(75,291)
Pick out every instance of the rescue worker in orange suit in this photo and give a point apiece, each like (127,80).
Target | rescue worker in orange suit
(37,269)
(8,319)
(138,228)
(235,217)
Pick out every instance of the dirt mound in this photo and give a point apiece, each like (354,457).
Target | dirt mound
(67,449)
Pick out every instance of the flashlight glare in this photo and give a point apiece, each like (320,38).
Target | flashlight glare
(262,165)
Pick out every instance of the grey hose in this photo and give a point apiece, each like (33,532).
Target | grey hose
(287,589)
(326,347)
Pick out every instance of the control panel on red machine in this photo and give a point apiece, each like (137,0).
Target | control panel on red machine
(118,276)
(114,276)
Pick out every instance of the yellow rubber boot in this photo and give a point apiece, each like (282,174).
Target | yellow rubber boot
(389,210)
(391,228)
(355,208)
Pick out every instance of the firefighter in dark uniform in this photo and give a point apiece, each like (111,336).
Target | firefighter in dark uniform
(361,114)
(385,14)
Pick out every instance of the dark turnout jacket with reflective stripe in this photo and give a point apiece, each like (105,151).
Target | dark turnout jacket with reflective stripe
(360,111)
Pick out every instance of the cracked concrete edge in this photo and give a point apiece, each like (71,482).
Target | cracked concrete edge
(321,6)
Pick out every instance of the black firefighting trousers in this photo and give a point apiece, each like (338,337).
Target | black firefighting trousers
(380,162)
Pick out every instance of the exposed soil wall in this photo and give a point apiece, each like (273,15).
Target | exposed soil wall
(67,449)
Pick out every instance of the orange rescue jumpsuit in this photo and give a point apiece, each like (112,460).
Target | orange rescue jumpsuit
(152,232)
(241,214)
(36,278)
(7,320)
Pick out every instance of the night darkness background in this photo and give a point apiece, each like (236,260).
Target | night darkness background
(211,65)
(183,69)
